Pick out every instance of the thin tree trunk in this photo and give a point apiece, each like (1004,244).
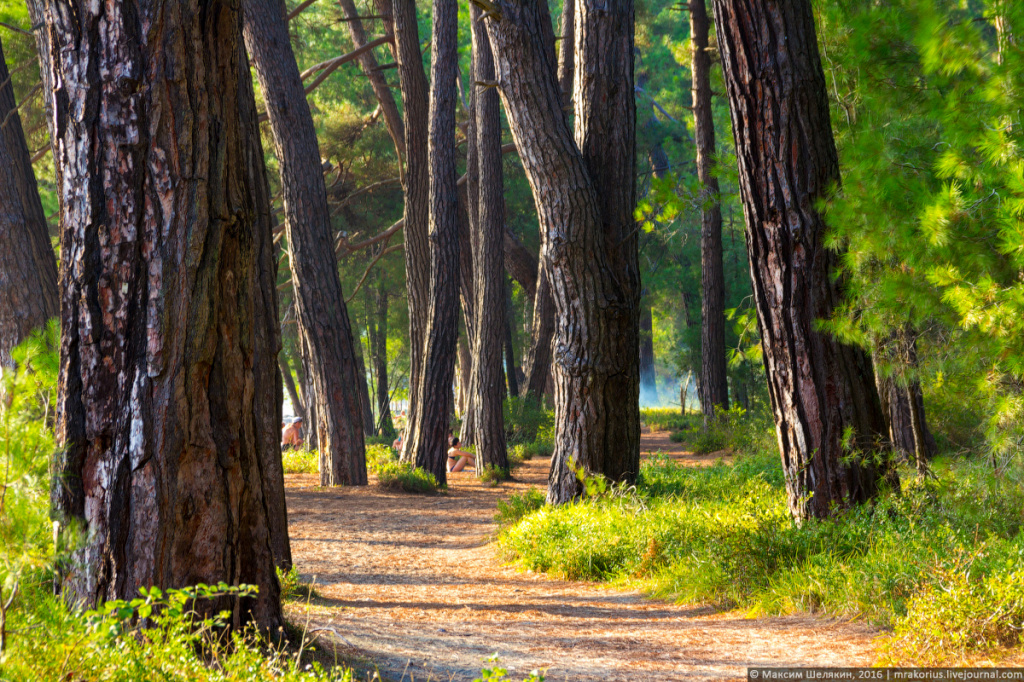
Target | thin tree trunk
(428,432)
(537,362)
(511,368)
(714,384)
(416,112)
(488,267)
(319,304)
(169,398)
(28,268)
(289,384)
(585,193)
(379,355)
(378,82)
(648,386)
(566,51)
(362,384)
(902,400)
(827,413)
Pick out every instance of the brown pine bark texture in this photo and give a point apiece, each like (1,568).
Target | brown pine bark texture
(520,264)
(647,378)
(379,353)
(28,267)
(714,377)
(416,111)
(429,423)
(820,389)
(488,377)
(584,188)
(320,309)
(169,397)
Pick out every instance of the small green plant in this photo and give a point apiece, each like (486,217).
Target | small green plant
(526,420)
(299,461)
(405,477)
(495,673)
(518,505)
(493,475)
(379,455)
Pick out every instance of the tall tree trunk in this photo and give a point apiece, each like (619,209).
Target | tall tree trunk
(388,107)
(537,362)
(28,268)
(821,390)
(714,385)
(566,50)
(379,355)
(363,386)
(289,383)
(648,385)
(415,106)
(169,398)
(511,368)
(585,193)
(428,432)
(469,205)
(319,304)
(488,267)
(902,400)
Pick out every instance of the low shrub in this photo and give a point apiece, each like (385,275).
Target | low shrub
(722,535)
(299,461)
(666,419)
(527,421)
(492,475)
(517,506)
(378,455)
(404,476)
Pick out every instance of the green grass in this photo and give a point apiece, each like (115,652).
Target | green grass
(300,461)
(667,419)
(941,565)
(405,477)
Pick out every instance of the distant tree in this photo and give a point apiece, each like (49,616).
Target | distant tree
(169,393)
(320,311)
(714,384)
(826,407)
(28,267)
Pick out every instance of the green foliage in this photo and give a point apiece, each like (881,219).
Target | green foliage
(300,461)
(496,673)
(526,421)
(666,419)
(377,456)
(518,505)
(157,635)
(404,476)
(722,535)
(492,475)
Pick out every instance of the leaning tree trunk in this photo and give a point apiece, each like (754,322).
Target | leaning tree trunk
(413,82)
(488,267)
(714,386)
(319,304)
(520,264)
(429,422)
(168,399)
(827,413)
(537,363)
(289,384)
(584,189)
(566,51)
(373,73)
(28,268)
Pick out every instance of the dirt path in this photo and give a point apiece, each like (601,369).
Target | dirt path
(412,583)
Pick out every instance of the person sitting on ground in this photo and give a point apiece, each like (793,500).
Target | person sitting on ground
(457,459)
(291,435)
(397,444)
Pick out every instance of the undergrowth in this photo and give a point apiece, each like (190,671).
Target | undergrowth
(941,564)
(405,477)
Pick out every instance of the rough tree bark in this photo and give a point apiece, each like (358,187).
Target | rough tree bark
(585,193)
(713,370)
(363,385)
(469,199)
(566,73)
(379,354)
(821,390)
(903,401)
(647,381)
(489,320)
(169,397)
(415,106)
(28,267)
(428,426)
(320,309)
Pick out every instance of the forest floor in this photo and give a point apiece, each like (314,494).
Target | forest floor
(414,584)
